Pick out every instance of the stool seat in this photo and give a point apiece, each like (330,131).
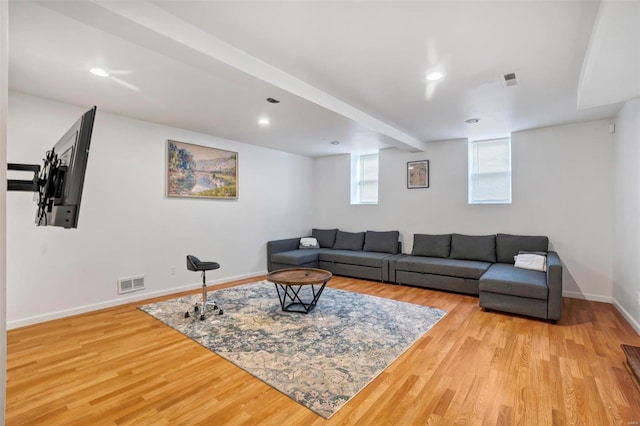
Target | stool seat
(195,264)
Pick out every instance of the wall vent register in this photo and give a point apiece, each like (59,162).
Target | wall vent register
(509,79)
(128,285)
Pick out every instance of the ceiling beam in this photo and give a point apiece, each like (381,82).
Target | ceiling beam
(162,23)
(611,69)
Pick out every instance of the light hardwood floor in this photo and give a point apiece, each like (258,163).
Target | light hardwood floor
(121,366)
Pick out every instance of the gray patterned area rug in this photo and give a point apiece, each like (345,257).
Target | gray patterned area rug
(321,359)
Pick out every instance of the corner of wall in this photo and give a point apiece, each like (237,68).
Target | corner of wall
(630,319)
(626,229)
(4,89)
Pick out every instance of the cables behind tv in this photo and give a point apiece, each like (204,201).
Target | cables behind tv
(47,186)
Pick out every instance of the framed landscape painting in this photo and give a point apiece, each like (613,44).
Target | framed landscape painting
(201,172)
(418,174)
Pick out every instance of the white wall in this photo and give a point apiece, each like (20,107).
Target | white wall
(626,254)
(4,77)
(562,188)
(127,226)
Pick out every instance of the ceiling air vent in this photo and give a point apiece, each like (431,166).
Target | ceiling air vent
(127,285)
(509,79)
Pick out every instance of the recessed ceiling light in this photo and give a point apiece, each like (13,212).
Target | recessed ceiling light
(433,76)
(472,120)
(99,72)
(264,122)
(335,142)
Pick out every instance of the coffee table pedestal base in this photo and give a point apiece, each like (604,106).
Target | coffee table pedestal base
(290,300)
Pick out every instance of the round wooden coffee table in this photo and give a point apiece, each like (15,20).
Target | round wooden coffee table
(289,282)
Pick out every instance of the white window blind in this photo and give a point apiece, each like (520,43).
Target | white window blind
(490,171)
(364,179)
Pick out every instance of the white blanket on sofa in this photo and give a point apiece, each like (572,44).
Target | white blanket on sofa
(535,262)
(308,242)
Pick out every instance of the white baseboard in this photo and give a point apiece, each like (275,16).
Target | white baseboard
(22,322)
(597,298)
(630,319)
(586,296)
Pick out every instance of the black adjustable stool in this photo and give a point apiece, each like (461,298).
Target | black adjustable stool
(194,264)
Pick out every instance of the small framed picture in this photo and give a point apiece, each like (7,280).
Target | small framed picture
(418,174)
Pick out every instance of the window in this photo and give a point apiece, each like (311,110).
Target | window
(364,179)
(490,171)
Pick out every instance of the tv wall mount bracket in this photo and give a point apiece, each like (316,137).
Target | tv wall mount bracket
(24,185)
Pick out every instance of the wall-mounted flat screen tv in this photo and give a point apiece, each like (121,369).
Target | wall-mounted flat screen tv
(62,177)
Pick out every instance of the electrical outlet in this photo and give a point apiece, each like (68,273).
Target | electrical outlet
(173,270)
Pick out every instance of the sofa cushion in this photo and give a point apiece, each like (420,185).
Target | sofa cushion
(507,279)
(349,241)
(381,242)
(508,246)
(325,237)
(362,258)
(438,266)
(431,245)
(296,257)
(473,247)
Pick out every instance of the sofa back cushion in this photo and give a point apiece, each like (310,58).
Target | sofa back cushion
(431,245)
(473,247)
(382,242)
(508,246)
(349,241)
(325,237)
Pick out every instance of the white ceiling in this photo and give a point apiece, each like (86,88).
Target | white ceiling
(347,71)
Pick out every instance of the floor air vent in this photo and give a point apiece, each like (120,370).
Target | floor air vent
(127,285)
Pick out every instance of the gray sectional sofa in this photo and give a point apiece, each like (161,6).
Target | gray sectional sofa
(484,266)
(355,254)
(477,265)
